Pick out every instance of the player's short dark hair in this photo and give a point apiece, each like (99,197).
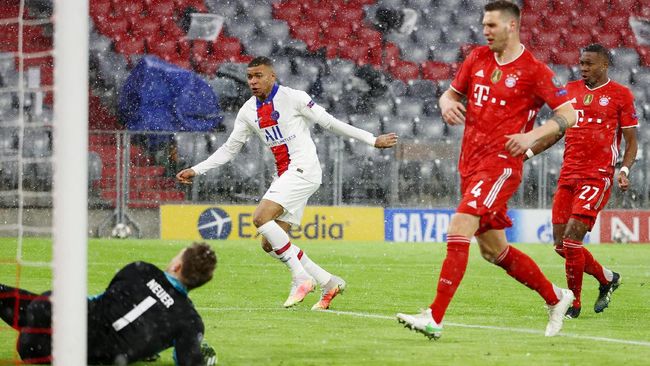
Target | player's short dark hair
(599,49)
(504,6)
(260,60)
(199,262)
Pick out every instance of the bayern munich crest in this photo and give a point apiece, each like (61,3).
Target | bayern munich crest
(511,81)
(603,101)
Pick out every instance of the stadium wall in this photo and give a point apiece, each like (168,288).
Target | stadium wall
(181,222)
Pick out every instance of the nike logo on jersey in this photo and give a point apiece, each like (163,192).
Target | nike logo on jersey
(479,73)
(587,206)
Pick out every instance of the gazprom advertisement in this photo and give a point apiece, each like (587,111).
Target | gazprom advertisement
(430,225)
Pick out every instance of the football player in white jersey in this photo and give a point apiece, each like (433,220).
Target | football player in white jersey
(281,117)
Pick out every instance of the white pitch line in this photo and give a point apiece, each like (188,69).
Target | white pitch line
(459,325)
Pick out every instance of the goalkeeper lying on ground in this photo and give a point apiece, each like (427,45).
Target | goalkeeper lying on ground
(143,311)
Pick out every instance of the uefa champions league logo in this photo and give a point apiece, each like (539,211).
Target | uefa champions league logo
(545,232)
(214,223)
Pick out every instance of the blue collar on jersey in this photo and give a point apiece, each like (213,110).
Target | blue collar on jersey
(176,283)
(276,86)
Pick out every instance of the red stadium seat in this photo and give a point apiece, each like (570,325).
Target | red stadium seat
(184,47)
(556,22)
(100,9)
(338,31)
(436,70)
(322,15)
(629,6)
(369,36)
(405,71)
(542,54)
(355,51)
(350,15)
(146,28)
(577,39)
(129,46)
(171,30)
(113,26)
(585,22)
(609,40)
(226,48)
(287,12)
(570,57)
(628,38)
(165,49)
(308,32)
(163,9)
(128,8)
(616,23)
(392,54)
(547,39)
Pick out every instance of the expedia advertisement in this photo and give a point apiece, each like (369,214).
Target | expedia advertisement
(220,222)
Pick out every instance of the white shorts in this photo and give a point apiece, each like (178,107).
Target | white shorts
(291,191)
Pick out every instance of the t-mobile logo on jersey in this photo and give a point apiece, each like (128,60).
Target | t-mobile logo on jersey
(482,94)
(580,114)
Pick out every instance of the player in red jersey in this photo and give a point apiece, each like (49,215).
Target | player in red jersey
(505,86)
(605,112)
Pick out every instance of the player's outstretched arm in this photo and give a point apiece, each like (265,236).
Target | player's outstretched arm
(542,145)
(564,118)
(185,176)
(453,111)
(386,141)
(629,156)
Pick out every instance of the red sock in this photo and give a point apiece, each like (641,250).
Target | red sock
(594,268)
(559,249)
(575,267)
(522,268)
(452,272)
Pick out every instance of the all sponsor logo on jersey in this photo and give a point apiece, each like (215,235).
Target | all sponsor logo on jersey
(588,99)
(604,100)
(511,80)
(214,223)
(496,76)
(273,133)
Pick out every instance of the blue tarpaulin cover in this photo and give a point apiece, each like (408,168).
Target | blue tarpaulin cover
(159,96)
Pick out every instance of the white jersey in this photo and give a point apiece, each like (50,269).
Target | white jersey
(282,123)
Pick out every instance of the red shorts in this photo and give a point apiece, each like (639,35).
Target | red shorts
(486,194)
(580,199)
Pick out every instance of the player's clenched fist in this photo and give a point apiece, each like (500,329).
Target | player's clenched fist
(185,176)
(518,143)
(386,141)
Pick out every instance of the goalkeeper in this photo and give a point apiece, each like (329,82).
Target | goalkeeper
(144,310)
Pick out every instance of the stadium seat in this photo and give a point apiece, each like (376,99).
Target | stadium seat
(36,143)
(614,23)
(406,71)
(162,9)
(355,51)
(403,127)
(415,52)
(625,57)
(577,39)
(8,175)
(565,57)
(409,107)
(431,129)
(446,52)
(398,88)
(145,28)
(609,40)
(428,36)
(433,70)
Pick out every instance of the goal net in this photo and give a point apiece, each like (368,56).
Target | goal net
(43,165)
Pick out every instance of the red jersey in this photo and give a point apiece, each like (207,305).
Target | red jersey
(592,144)
(502,99)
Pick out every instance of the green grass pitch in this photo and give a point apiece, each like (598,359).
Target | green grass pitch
(493,320)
